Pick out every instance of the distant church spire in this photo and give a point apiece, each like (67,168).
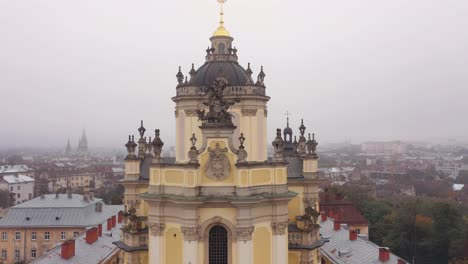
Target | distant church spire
(68,149)
(83,144)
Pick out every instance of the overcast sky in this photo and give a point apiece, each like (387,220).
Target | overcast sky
(354,69)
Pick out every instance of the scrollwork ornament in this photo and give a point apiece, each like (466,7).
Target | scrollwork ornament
(244,233)
(190,233)
(157,229)
(279,228)
(218,167)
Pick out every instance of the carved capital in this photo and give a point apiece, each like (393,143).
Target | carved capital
(244,233)
(249,112)
(157,229)
(190,112)
(279,228)
(190,233)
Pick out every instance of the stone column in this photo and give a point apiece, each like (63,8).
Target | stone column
(244,245)
(155,243)
(190,245)
(280,242)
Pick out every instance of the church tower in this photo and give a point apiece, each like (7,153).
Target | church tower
(83,144)
(68,148)
(221,200)
(249,115)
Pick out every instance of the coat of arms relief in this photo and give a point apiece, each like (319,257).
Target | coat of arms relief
(218,167)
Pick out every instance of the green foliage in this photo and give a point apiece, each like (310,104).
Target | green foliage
(429,230)
(112,195)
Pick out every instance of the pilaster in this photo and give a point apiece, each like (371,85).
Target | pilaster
(191,236)
(245,244)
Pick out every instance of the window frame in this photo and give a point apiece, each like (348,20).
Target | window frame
(4,254)
(33,253)
(4,236)
(17,236)
(17,254)
(46,235)
(63,235)
(33,236)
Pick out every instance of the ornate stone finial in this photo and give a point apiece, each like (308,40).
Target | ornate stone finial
(302,128)
(234,51)
(241,153)
(296,145)
(157,147)
(193,152)
(186,80)
(131,145)
(261,78)
(141,141)
(217,104)
(249,70)
(208,51)
(142,130)
(278,147)
(192,71)
(149,147)
(314,145)
(302,140)
(180,76)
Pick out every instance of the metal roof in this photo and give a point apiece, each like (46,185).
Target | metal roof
(58,212)
(85,253)
(17,179)
(341,250)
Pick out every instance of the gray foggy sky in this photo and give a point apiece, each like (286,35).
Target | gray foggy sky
(355,69)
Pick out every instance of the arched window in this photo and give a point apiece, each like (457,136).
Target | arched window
(221,48)
(218,245)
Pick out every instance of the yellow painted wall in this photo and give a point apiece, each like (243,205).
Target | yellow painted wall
(296,205)
(173,245)
(230,214)
(261,177)
(262,244)
(293,257)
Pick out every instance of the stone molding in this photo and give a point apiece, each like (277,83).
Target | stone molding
(190,112)
(157,229)
(190,233)
(279,228)
(244,233)
(249,112)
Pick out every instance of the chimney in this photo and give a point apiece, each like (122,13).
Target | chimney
(402,261)
(352,235)
(68,249)
(42,195)
(384,254)
(323,217)
(92,235)
(120,217)
(91,196)
(86,197)
(109,224)
(331,214)
(114,221)
(336,226)
(69,194)
(100,230)
(56,195)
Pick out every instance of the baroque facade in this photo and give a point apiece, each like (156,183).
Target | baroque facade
(221,200)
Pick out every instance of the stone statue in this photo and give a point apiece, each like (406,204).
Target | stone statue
(218,106)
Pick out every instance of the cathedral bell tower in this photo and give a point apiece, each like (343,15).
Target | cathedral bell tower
(249,114)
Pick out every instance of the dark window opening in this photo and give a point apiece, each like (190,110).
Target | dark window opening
(218,245)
